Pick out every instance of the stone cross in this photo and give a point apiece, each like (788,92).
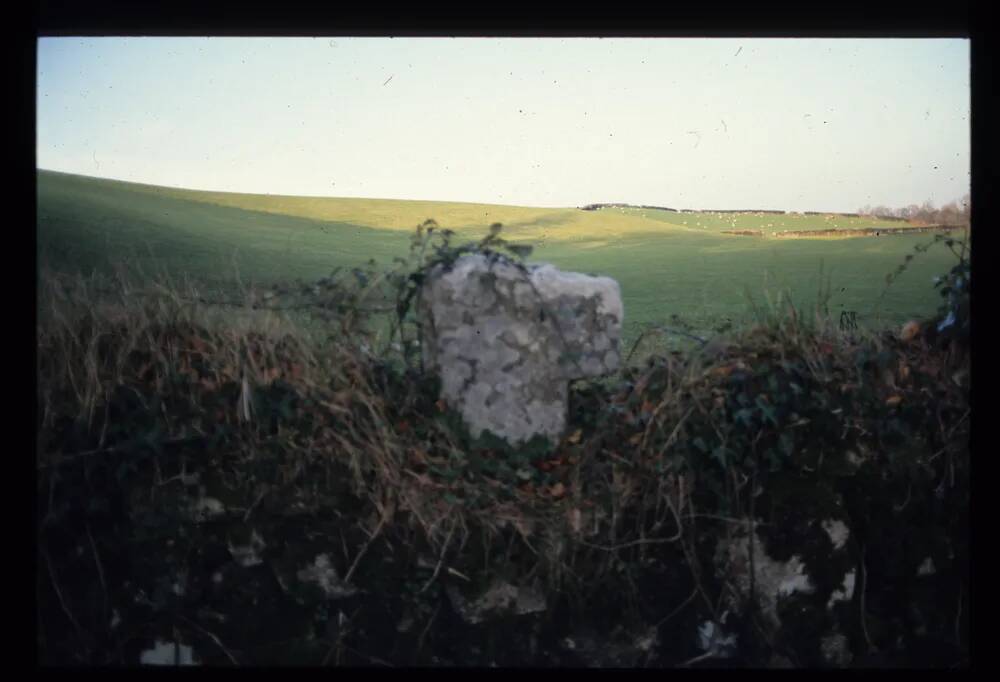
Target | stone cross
(507,339)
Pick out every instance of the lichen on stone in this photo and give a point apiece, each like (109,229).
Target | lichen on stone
(506,339)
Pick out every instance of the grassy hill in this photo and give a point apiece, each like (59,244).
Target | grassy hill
(668,263)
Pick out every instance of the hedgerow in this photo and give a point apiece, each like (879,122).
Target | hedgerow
(171,434)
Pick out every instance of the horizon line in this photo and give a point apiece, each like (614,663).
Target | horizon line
(608,204)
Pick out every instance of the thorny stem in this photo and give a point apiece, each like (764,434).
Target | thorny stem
(190,440)
(378,529)
(253,506)
(423,634)
(371,659)
(62,602)
(100,570)
(677,610)
(864,587)
(901,507)
(338,643)
(673,434)
(958,619)
(634,543)
(212,636)
(437,569)
(691,560)
(959,423)
(697,659)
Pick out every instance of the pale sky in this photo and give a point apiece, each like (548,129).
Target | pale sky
(794,124)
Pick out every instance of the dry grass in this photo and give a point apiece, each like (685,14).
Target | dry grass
(627,485)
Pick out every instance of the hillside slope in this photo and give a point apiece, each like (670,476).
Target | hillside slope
(694,272)
(387,214)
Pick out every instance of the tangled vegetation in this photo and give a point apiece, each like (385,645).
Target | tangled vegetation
(193,459)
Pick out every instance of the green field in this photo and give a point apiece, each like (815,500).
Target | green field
(667,263)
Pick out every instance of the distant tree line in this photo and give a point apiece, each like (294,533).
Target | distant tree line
(595,207)
(743,210)
(953,213)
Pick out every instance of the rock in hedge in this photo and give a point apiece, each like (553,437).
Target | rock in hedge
(507,338)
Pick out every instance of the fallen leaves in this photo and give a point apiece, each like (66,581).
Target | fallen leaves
(722,371)
(575,518)
(554,463)
(909,331)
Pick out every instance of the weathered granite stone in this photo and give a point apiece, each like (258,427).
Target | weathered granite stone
(506,339)
(774,581)
(777,579)
(168,653)
(836,650)
(623,647)
(501,598)
(323,574)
